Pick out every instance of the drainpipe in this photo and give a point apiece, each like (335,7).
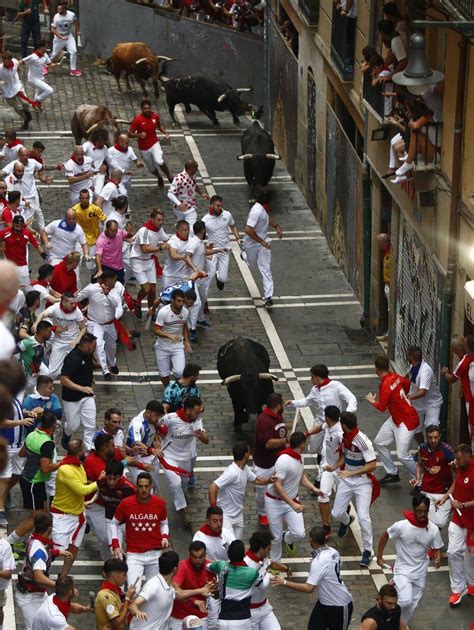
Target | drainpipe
(449,290)
(367,235)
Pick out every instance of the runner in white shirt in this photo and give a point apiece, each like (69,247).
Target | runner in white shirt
(104,307)
(333,434)
(50,616)
(122,156)
(12,87)
(281,499)
(80,173)
(257,246)
(324,392)
(414,538)
(69,325)
(96,149)
(61,28)
(228,490)
(182,193)
(424,392)
(212,534)
(9,150)
(356,463)
(113,188)
(37,64)
(181,430)
(66,236)
(176,269)
(334,606)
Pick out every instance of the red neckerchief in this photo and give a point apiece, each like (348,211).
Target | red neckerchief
(292,453)
(348,437)
(119,148)
(271,413)
(46,541)
(111,181)
(74,159)
(266,207)
(40,54)
(325,382)
(182,414)
(214,213)
(64,607)
(112,587)
(45,431)
(42,283)
(64,311)
(411,518)
(6,64)
(253,556)
(181,238)
(238,564)
(151,226)
(205,529)
(70,460)
(96,148)
(14,143)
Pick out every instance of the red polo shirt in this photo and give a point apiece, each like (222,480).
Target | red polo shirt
(393,391)
(149,125)
(461,372)
(187,577)
(270,426)
(16,245)
(464,492)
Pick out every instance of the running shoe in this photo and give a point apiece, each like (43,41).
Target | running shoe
(343,529)
(263,520)
(220,285)
(75,73)
(455,598)
(193,336)
(203,323)
(366,558)
(388,479)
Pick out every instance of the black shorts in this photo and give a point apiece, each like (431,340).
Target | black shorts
(34,494)
(330,617)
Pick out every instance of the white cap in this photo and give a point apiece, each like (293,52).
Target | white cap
(191,621)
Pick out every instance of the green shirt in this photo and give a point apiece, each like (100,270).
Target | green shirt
(30,4)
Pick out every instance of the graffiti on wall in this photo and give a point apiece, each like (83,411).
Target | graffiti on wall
(418,299)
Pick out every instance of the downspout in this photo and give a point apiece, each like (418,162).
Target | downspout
(367,231)
(449,290)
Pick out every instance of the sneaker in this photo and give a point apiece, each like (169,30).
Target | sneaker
(388,479)
(65,439)
(291,548)
(192,481)
(15,555)
(455,598)
(263,520)
(75,73)
(3,518)
(18,547)
(29,117)
(204,323)
(108,376)
(193,336)
(366,558)
(220,285)
(343,529)
(267,302)
(114,369)
(161,183)
(470,590)
(327,530)
(138,311)
(243,255)
(25,125)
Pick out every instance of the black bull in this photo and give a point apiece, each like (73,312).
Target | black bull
(258,155)
(244,367)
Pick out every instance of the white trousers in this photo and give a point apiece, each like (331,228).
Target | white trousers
(360,488)
(260,490)
(263,618)
(177,624)
(134,471)
(98,181)
(427,417)
(140,564)
(438,515)
(195,310)
(178,485)
(170,358)
(279,512)
(261,258)
(316,441)
(389,433)
(219,266)
(70,45)
(81,412)
(59,350)
(190,216)
(95,516)
(153,157)
(235,524)
(42,89)
(38,215)
(460,559)
(106,348)
(397,138)
(409,594)
(28,604)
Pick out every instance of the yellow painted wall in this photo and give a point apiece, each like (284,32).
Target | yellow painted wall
(467,181)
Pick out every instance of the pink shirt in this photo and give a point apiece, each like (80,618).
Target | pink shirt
(110,249)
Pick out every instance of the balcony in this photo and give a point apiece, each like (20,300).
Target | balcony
(428,154)
(343,43)
(373,99)
(310,11)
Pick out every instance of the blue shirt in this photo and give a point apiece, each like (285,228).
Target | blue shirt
(14,436)
(184,286)
(47,404)
(175,393)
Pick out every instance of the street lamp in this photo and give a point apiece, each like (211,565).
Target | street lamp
(418,75)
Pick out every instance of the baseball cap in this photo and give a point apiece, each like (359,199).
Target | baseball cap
(18,219)
(191,621)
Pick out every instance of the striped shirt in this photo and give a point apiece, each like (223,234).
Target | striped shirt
(236,581)
(359,453)
(14,435)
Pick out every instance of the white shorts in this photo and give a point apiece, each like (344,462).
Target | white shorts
(15,464)
(68,529)
(143,270)
(153,157)
(24,274)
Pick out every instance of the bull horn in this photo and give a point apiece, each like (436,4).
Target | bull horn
(221,97)
(245,156)
(125,122)
(163,79)
(92,128)
(266,376)
(163,57)
(141,60)
(243,89)
(231,379)
(272,156)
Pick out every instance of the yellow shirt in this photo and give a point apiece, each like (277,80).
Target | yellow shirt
(71,488)
(89,220)
(107,608)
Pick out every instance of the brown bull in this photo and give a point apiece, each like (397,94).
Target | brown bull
(138,59)
(87,118)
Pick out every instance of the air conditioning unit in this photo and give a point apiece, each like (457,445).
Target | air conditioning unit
(427,198)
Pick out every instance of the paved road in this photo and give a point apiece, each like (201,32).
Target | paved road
(315,319)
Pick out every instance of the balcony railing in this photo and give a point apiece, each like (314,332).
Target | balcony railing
(466,7)
(427,156)
(342,44)
(310,10)
(373,99)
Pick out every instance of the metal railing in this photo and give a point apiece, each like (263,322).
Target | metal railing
(343,44)
(427,156)
(310,10)
(466,7)
(373,96)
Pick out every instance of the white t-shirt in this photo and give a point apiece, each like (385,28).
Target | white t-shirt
(49,617)
(290,471)
(28,183)
(181,438)
(332,393)
(11,81)
(217,228)
(177,267)
(73,169)
(145,236)
(232,485)
(120,218)
(259,592)
(7,343)
(63,23)
(10,153)
(98,156)
(7,562)
(110,192)
(63,242)
(412,545)
(102,308)
(425,379)
(70,321)
(325,573)
(258,219)
(216,546)
(332,441)
(197,250)
(44,294)
(171,323)
(159,597)
(397,47)
(122,160)
(36,65)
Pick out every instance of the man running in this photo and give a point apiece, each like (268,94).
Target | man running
(141,439)
(122,156)
(176,268)
(80,172)
(13,91)
(61,28)
(15,241)
(182,193)
(213,535)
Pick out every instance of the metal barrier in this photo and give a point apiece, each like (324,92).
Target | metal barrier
(343,44)
(424,158)
(373,98)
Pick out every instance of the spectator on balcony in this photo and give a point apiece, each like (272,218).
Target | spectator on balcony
(391,13)
(433,98)
(367,53)
(399,120)
(396,55)
(380,73)
(348,10)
